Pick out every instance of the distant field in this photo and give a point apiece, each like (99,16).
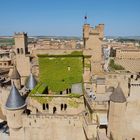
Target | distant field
(60,72)
(6,41)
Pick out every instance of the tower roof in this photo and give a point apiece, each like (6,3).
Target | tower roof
(15,74)
(15,100)
(118,95)
(31,82)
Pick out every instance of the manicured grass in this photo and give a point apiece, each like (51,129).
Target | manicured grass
(60,72)
(40,88)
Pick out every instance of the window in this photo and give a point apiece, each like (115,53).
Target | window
(47,106)
(54,110)
(65,106)
(17,50)
(21,50)
(62,106)
(69,90)
(43,106)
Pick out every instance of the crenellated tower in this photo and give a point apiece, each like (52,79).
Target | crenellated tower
(22,57)
(93,38)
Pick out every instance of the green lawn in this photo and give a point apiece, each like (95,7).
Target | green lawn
(60,72)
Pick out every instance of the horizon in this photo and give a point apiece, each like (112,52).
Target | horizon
(61,18)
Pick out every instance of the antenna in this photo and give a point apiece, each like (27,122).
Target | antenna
(85,17)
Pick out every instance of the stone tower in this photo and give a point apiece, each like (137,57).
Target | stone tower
(22,58)
(93,38)
(116,123)
(15,78)
(15,106)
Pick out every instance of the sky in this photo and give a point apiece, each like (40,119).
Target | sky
(66,17)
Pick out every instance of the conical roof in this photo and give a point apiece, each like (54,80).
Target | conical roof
(31,82)
(15,74)
(15,100)
(118,95)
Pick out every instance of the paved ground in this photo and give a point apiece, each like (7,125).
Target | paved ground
(102,134)
(4,136)
(4,130)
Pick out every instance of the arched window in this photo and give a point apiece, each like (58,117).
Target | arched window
(62,106)
(69,90)
(65,106)
(47,106)
(43,106)
(54,110)
(17,50)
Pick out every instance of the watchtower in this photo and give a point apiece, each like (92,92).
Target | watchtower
(93,38)
(22,57)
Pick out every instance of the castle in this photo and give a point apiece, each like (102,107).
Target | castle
(100,110)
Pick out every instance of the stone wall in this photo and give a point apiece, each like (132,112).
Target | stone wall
(53,127)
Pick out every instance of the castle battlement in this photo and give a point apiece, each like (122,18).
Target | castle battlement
(20,33)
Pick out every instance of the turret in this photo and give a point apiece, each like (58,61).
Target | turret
(100,28)
(117,109)
(31,82)
(86,30)
(15,78)
(15,106)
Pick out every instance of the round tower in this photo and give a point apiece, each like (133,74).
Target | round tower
(15,106)
(31,82)
(116,125)
(15,78)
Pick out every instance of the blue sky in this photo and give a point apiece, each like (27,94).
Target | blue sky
(66,17)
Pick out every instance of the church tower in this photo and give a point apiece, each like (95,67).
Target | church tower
(15,106)
(22,57)
(116,121)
